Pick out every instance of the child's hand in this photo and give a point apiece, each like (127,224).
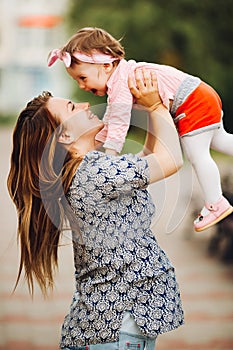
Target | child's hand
(146,89)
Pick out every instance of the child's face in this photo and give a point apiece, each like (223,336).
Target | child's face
(91,77)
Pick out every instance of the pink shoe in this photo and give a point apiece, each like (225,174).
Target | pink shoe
(218,211)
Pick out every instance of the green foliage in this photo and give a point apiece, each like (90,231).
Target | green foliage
(7,120)
(195,36)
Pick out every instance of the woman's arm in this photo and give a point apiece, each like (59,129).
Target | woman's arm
(162,147)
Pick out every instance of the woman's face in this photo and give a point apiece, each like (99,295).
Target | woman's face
(76,118)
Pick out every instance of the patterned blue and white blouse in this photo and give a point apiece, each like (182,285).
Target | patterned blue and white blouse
(119,266)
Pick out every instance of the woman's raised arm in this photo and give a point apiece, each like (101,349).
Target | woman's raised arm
(162,146)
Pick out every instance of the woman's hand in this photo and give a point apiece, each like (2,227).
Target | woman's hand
(146,89)
(161,147)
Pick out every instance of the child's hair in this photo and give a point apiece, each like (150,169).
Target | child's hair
(88,39)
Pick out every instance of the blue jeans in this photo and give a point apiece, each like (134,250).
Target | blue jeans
(126,342)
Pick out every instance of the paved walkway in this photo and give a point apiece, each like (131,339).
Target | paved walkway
(205,283)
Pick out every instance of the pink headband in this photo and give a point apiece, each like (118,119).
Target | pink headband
(95,57)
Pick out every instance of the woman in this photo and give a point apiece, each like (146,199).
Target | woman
(126,290)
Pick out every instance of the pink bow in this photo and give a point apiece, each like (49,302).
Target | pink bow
(95,57)
(63,56)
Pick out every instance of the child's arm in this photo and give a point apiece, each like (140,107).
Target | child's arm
(117,118)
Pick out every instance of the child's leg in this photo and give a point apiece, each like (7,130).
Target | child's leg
(222,141)
(197,150)
(216,206)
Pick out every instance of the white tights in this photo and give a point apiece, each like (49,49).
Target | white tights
(197,150)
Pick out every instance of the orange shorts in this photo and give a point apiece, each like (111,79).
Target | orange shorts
(203,107)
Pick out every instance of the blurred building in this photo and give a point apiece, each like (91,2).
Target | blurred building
(29,29)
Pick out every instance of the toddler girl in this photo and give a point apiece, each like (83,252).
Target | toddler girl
(96,61)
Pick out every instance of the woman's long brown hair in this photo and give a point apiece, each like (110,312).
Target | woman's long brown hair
(40,175)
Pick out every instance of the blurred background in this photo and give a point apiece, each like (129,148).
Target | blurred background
(195,36)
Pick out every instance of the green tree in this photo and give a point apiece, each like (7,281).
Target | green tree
(195,36)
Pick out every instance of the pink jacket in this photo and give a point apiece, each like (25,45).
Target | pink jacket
(120,101)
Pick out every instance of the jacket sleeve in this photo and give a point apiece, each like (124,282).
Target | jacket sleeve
(117,116)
